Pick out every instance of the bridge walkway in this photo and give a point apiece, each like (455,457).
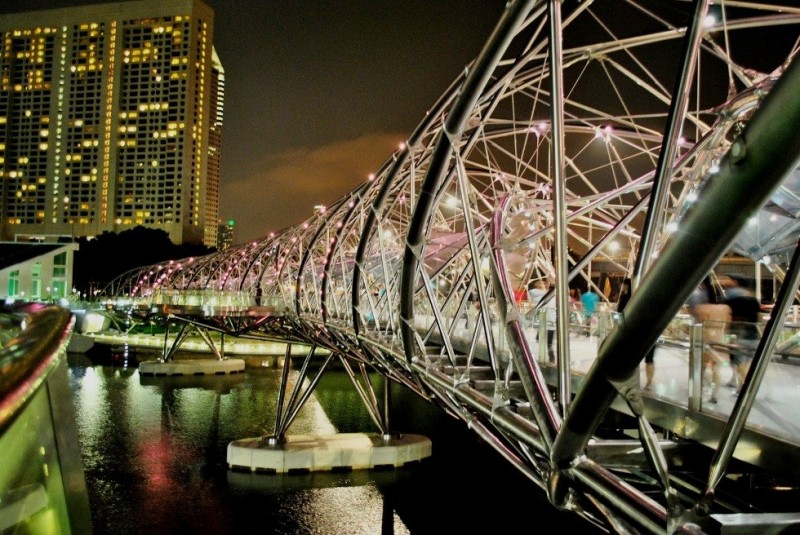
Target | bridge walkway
(679,398)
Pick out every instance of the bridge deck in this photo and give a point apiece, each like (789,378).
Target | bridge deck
(773,426)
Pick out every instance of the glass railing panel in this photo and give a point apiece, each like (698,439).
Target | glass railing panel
(692,362)
(42,487)
(787,349)
(717,374)
(32,498)
(671,363)
(583,346)
(778,395)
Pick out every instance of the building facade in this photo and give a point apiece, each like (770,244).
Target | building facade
(225,234)
(111,117)
(36,271)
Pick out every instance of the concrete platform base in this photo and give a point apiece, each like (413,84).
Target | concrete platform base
(314,453)
(191,367)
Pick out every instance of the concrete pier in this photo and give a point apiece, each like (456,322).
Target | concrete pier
(314,453)
(191,367)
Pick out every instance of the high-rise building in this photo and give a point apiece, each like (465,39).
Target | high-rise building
(225,234)
(110,118)
(214,143)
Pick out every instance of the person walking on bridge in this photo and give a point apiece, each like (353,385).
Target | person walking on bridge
(705,308)
(745,309)
(649,358)
(549,316)
(589,299)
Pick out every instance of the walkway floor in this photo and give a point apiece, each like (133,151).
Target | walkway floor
(775,411)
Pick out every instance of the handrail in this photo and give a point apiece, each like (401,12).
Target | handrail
(27,358)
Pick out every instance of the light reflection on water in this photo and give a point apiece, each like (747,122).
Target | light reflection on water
(154,453)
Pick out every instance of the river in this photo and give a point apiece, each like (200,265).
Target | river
(154,454)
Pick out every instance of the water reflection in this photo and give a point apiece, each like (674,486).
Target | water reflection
(154,452)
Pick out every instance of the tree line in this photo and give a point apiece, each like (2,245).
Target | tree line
(100,260)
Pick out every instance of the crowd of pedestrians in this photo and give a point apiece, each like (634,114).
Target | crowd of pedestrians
(728,310)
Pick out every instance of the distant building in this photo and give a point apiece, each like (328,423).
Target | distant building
(214,144)
(225,234)
(111,117)
(32,271)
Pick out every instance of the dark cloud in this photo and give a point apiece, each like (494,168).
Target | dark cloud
(282,189)
(323,76)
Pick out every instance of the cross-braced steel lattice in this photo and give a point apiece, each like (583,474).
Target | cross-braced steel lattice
(640,139)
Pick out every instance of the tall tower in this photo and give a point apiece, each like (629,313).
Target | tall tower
(108,120)
(216,104)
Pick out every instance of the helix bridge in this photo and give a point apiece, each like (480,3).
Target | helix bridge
(643,139)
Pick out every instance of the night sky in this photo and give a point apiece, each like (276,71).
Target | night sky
(318,94)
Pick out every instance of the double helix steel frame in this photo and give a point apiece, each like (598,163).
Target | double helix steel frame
(649,126)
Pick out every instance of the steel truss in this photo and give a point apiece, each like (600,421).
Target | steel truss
(663,132)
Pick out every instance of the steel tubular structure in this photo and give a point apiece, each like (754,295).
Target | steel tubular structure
(670,132)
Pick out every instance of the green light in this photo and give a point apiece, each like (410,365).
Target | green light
(230,222)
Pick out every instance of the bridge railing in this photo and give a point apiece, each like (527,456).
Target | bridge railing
(693,369)
(687,379)
(42,488)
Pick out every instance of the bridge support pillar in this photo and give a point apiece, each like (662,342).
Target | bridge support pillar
(324,453)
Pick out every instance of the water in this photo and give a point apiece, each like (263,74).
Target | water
(154,453)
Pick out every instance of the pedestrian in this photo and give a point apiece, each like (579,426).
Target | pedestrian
(589,300)
(624,294)
(705,309)
(743,328)
(535,293)
(549,317)
(575,308)
(649,358)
